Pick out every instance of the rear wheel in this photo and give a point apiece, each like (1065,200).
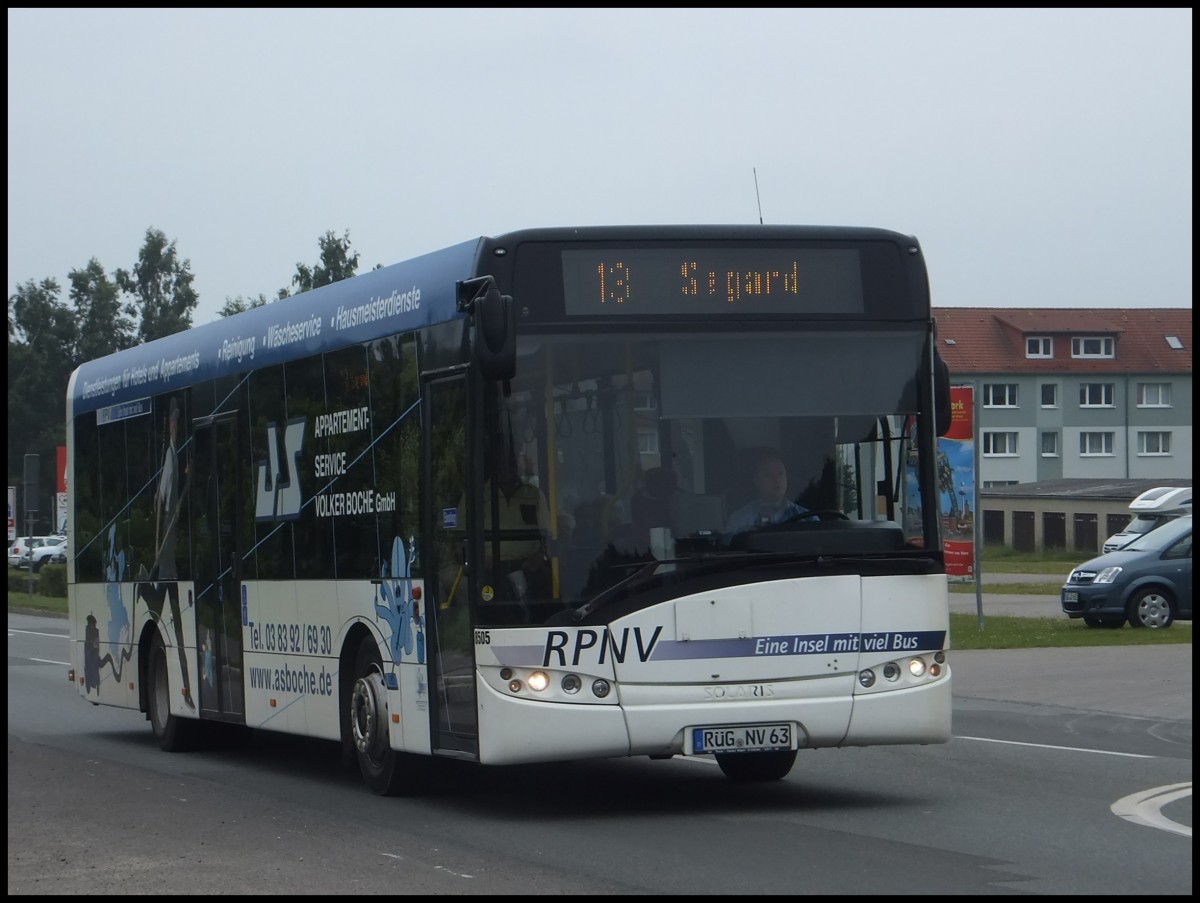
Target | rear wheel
(1151,607)
(757,766)
(174,734)
(384,770)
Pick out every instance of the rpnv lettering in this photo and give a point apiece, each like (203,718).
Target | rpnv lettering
(564,648)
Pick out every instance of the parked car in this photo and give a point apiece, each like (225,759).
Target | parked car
(1151,509)
(53,552)
(20,549)
(1147,583)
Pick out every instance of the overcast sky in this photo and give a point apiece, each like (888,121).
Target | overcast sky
(1042,157)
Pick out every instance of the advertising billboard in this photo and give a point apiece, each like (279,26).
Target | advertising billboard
(957,484)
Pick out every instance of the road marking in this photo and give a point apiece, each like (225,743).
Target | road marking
(1099,752)
(1145,808)
(58,636)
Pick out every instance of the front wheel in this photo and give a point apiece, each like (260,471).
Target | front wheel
(757,766)
(1150,607)
(174,734)
(384,770)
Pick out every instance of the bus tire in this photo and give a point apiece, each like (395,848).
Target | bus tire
(757,766)
(382,768)
(174,734)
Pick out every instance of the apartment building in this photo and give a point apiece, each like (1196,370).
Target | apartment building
(1075,393)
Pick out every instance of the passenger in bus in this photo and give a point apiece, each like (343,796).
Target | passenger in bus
(770,504)
(651,503)
(523,571)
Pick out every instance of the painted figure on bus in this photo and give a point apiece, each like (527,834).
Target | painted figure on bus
(419,626)
(397,607)
(119,632)
(162,583)
(91,655)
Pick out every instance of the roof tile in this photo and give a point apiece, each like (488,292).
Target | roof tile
(992,339)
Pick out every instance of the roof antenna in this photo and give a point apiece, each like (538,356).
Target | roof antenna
(757,197)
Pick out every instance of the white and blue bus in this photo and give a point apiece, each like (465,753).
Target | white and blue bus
(478,505)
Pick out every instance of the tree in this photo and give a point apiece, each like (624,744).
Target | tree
(240,304)
(945,475)
(337,263)
(42,335)
(162,286)
(105,323)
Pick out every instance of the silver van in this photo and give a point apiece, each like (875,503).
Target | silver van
(1151,509)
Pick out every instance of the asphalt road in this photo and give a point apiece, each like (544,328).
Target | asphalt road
(1089,678)
(991,599)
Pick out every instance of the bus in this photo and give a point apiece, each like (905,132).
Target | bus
(476,505)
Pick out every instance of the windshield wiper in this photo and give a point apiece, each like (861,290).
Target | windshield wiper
(647,568)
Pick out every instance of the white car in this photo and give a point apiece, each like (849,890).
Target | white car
(53,552)
(21,548)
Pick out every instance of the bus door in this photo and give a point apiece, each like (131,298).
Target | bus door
(450,645)
(215,499)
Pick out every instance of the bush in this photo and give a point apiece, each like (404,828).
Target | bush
(18,581)
(52,580)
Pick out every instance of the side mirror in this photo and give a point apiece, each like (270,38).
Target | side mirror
(495,327)
(941,395)
(496,335)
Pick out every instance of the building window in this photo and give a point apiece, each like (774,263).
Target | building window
(647,441)
(1000,444)
(999,395)
(1093,444)
(1039,346)
(1096,395)
(644,401)
(1154,395)
(1092,346)
(1049,395)
(1049,445)
(1154,443)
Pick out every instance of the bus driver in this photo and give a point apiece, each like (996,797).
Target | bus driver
(770,504)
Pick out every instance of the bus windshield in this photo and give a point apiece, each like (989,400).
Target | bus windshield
(695,449)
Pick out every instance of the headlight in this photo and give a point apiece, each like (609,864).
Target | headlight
(916,667)
(1108,575)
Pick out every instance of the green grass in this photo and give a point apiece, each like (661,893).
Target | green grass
(1040,633)
(50,605)
(1006,561)
(1011,589)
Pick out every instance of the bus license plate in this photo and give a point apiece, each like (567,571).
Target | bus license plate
(742,738)
(1070,596)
